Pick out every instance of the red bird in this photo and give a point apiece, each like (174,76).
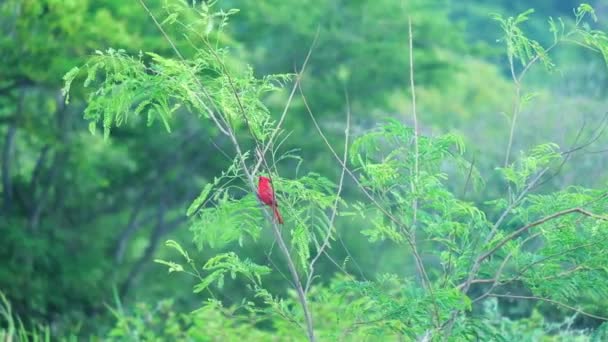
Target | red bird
(266,195)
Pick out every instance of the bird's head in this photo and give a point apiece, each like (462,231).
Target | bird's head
(263,179)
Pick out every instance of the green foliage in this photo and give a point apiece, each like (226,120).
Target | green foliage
(539,158)
(519,46)
(13,328)
(404,175)
(414,237)
(162,322)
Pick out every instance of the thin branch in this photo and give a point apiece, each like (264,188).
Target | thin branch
(570,271)
(525,228)
(348,113)
(289,100)
(478,261)
(468,180)
(525,70)
(531,184)
(342,163)
(551,301)
(517,100)
(311,267)
(515,113)
(532,264)
(496,279)
(568,154)
(511,206)
(414,182)
(497,275)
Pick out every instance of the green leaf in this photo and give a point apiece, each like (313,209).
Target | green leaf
(175,245)
(200,287)
(173,267)
(200,199)
(68,78)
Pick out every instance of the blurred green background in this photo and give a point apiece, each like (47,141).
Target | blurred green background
(83,218)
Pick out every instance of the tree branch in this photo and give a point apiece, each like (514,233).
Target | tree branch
(335,206)
(551,301)
(287,105)
(525,228)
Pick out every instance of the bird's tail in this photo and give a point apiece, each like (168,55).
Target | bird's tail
(277,215)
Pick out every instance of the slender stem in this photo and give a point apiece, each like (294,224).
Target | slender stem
(414,182)
(360,186)
(335,206)
(517,101)
(289,100)
(415,116)
(516,109)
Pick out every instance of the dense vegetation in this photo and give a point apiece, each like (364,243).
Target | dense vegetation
(439,166)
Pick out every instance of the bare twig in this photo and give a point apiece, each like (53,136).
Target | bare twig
(287,105)
(311,267)
(414,182)
(569,153)
(342,163)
